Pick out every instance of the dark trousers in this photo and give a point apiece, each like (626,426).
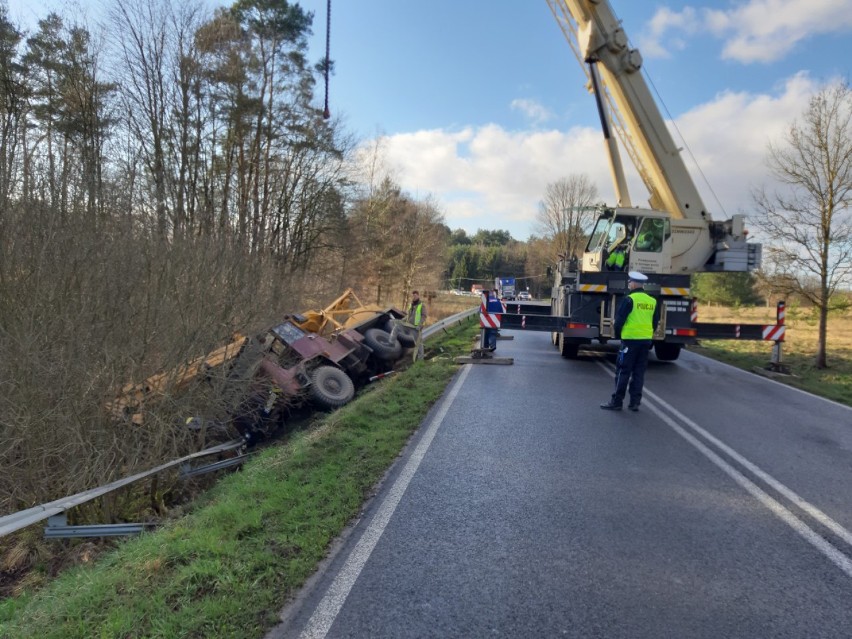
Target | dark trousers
(630,369)
(490,338)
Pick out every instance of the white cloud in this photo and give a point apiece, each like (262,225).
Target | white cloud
(765,30)
(491,178)
(660,27)
(534,111)
(754,31)
(729,137)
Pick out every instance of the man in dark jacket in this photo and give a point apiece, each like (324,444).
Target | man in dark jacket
(635,322)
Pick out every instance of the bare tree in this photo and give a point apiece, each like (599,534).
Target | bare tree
(12,108)
(809,223)
(142,31)
(565,213)
(424,240)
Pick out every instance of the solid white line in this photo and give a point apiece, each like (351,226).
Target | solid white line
(769,380)
(326,612)
(832,554)
(809,508)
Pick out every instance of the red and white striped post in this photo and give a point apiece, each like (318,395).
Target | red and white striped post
(693,313)
(777,353)
(483,312)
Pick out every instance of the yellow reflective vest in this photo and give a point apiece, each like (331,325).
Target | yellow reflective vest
(415,313)
(640,321)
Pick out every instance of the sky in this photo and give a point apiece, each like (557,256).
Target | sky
(480,104)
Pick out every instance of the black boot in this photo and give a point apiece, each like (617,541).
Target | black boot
(611,405)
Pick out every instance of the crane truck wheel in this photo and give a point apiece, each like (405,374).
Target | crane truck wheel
(568,350)
(666,352)
(331,387)
(384,347)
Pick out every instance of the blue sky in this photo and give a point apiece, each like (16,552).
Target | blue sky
(481,104)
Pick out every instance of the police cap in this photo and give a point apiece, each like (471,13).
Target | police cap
(636,276)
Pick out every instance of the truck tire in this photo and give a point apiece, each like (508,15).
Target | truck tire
(384,348)
(331,387)
(568,350)
(667,352)
(407,336)
(405,333)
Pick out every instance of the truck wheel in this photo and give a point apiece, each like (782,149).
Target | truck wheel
(383,346)
(666,352)
(568,350)
(331,387)
(406,334)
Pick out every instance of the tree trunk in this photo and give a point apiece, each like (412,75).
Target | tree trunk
(823,331)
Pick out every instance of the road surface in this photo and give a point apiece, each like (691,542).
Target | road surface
(520,509)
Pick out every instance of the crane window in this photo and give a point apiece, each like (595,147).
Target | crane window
(600,234)
(652,233)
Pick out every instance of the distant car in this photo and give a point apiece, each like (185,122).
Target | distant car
(524,296)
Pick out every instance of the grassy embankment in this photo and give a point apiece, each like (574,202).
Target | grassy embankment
(799,349)
(226,569)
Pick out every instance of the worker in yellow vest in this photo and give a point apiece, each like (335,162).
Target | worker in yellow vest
(635,322)
(616,259)
(416,317)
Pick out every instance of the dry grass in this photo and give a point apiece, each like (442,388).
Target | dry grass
(445,305)
(799,348)
(802,325)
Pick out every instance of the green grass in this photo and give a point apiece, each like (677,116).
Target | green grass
(226,569)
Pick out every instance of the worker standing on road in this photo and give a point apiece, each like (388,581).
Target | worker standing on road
(635,322)
(417,317)
(492,305)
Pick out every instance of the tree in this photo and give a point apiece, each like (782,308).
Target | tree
(730,289)
(460,272)
(565,214)
(12,107)
(809,223)
(491,238)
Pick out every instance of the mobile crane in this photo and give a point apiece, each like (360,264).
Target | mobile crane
(668,242)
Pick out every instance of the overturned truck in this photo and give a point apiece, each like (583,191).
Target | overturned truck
(316,357)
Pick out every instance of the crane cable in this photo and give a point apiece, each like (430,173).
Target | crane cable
(326,114)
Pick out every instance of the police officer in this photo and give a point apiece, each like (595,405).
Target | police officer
(635,322)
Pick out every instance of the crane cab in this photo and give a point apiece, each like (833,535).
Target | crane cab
(643,237)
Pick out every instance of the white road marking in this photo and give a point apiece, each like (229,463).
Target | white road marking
(834,555)
(326,612)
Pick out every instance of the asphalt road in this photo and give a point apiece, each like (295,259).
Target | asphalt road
(722,509)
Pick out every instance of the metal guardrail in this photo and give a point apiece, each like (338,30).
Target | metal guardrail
(55,510)
(24,518)
(445,323)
